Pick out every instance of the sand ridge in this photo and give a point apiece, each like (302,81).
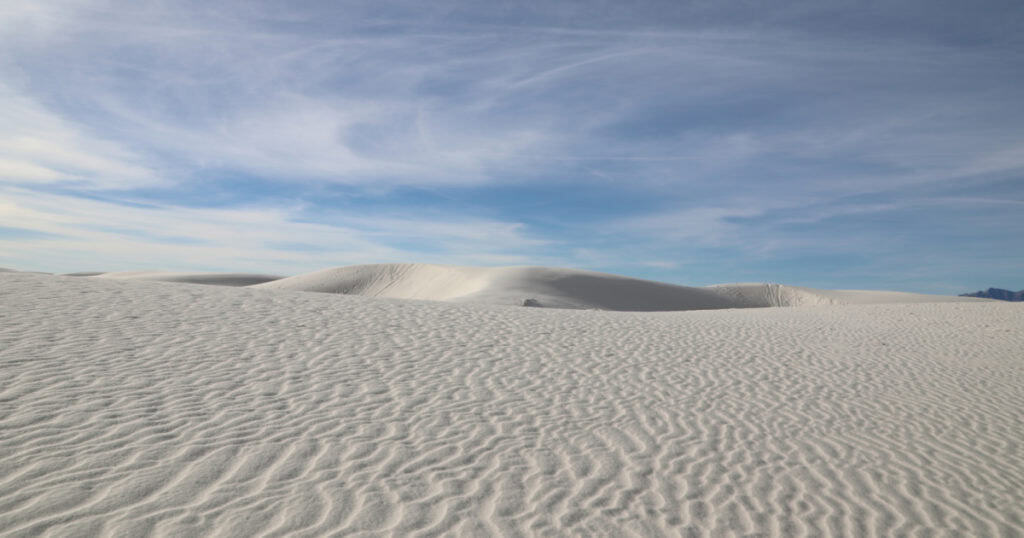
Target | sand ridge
(206,278)
(568,288)
(134,407)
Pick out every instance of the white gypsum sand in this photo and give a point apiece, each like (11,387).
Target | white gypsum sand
(214,279)
(134,407)
(568,288)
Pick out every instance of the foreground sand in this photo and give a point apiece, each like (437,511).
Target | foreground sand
(134,407)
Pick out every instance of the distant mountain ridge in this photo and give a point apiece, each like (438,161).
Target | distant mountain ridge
(997,293)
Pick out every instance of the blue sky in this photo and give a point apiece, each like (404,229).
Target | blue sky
(827,144)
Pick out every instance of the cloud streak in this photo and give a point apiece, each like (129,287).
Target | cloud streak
(86,232)
(37,146)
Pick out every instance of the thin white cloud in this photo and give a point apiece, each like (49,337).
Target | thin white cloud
(83,233)
(28,20)
(27,172)
(701,226)
(37,146)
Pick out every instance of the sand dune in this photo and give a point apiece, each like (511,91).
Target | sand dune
(7,270)
(214,279)
(762,295)
(133,408)
(541,286)
(567,288)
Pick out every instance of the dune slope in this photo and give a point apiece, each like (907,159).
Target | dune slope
(747,295)
(131,408)
(567,288)
(213,279)
(541,286)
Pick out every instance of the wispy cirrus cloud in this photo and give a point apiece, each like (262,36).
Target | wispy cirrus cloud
(415,102)
(38,146)
(75,231)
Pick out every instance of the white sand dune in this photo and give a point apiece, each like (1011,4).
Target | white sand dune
(131,408)
(567,288)
(213,279)
(762,295)
(542,286)
(7,270)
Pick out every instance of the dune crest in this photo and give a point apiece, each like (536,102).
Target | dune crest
(568,288)
(535,286)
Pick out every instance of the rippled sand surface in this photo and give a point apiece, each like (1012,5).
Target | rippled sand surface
(133,408)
